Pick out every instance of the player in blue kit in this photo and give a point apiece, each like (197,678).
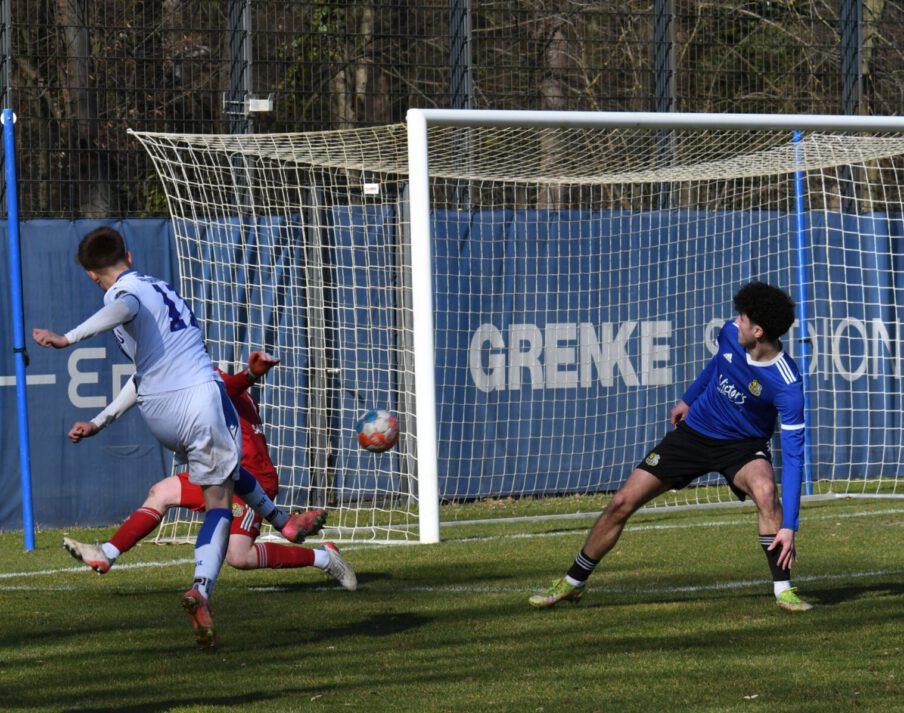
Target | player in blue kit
(723,424)
(183,401)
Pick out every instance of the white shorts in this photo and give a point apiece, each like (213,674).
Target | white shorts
(201,426)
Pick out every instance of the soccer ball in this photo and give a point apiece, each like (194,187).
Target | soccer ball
(378,430)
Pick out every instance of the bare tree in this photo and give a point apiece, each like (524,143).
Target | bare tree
(89,171)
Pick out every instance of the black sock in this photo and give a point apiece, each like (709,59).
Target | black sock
(778,574)
(582,567)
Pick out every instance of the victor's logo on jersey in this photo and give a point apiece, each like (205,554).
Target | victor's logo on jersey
(652,459)
(732,392)
(755,387)
(727,357)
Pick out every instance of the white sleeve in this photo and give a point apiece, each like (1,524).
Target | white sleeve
(112,315)
(126,399)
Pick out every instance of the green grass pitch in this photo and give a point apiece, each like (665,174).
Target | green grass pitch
(679,617)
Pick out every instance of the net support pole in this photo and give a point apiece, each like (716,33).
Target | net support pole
(800,230)
(422,301)
(21,355)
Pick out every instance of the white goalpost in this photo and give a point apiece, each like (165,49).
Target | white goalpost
(531,292)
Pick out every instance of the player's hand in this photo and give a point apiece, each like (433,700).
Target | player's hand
(785,540)
(259,363)
(678,413)
(46,338)
(82,429)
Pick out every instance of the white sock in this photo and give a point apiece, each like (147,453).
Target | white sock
(779,587)
(573,582)
(321,559)
(111,551)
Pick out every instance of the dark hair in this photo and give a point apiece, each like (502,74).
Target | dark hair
(101,248)
(766,306)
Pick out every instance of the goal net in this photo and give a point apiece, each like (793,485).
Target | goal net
(531,298)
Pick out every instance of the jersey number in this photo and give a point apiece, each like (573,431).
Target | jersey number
(170,298)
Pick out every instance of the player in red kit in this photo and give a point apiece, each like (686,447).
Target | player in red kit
(243,551)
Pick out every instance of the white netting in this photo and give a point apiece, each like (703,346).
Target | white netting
(579,278)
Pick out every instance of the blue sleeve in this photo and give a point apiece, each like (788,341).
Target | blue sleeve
(699,386)
(790,405)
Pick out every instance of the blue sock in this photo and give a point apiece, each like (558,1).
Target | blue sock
(210,548)
(249,490)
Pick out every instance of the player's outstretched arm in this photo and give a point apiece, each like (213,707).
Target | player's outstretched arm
(126,399)
(259,363)
(46,338)
(106,318)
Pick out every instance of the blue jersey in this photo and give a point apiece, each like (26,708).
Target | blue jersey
(736,397)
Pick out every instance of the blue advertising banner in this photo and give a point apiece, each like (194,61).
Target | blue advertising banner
(100,480)
(562,339)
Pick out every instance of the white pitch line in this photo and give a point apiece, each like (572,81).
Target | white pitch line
(86,570)
(463,589)
(488,538)
(686,526)
(603,588)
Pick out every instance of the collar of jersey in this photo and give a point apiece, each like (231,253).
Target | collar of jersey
(763,363)
(124,273)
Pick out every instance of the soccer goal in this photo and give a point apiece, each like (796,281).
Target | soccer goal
(531,292)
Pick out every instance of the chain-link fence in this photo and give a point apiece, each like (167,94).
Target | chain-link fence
(78,73)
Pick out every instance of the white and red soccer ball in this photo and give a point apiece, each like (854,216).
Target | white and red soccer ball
(378,430)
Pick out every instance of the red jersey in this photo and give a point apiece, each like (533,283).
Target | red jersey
(255,458)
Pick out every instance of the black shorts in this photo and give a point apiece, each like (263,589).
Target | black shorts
(685,455)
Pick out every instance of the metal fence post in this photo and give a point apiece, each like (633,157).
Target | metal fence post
(236,104)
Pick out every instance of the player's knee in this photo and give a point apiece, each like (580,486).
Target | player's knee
(764,493)
(157,498)
(241,559)
(621,506)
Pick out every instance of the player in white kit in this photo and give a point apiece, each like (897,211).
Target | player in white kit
(180,396)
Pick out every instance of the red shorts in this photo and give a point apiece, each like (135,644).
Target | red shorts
(244,520)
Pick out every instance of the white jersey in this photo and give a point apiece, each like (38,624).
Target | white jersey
(163,338)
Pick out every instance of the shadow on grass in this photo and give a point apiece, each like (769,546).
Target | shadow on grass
(230,702)
(375,625)
(831,596)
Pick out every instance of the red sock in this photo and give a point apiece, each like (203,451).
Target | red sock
(139,525)
(273,556)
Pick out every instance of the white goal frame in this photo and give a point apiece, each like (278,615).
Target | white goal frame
(420,120)
(384,154)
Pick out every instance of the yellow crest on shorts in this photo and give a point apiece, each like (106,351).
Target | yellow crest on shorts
(652,459)
(755,387)
(237,510)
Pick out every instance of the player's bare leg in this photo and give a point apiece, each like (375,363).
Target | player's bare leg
(756,479)
(638,489)
(101,557)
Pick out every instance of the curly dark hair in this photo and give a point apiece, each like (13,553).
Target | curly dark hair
(101,248)
(766,306)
